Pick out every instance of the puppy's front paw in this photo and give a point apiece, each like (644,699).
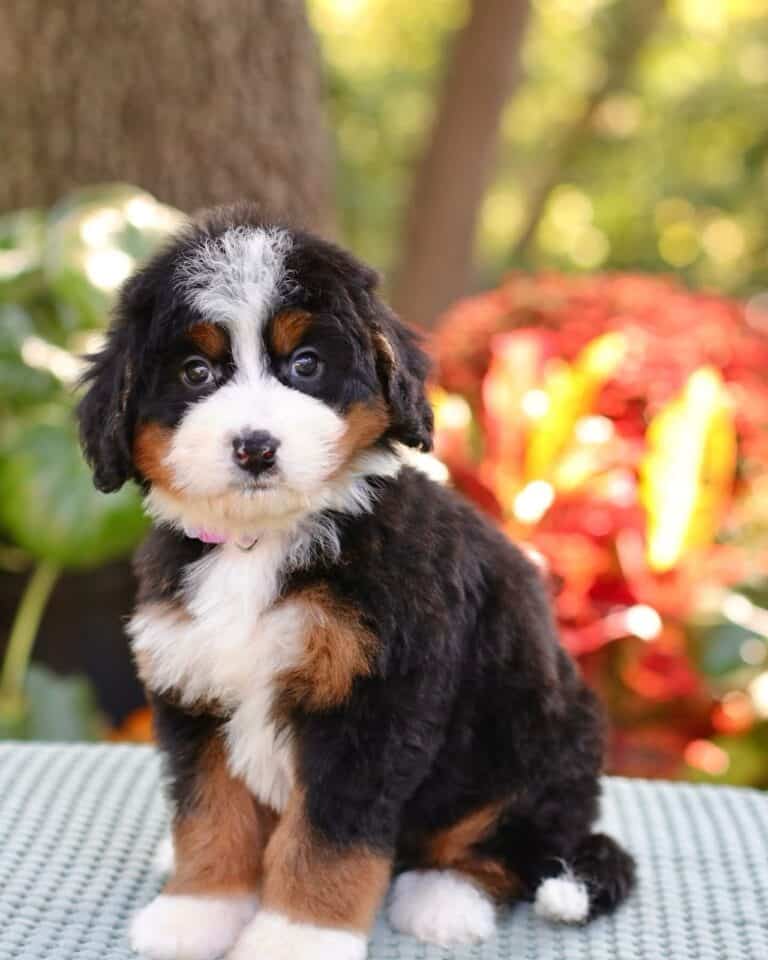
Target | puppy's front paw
(190,928)
(271,936)
(441,907)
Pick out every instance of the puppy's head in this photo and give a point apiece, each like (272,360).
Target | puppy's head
(248,368)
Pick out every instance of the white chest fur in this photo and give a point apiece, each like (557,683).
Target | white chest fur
(227,645)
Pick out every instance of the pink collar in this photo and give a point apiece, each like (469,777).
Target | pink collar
(206,535)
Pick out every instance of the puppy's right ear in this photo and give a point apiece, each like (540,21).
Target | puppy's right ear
(107,412)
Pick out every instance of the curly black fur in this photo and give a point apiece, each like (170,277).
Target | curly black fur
(471,702)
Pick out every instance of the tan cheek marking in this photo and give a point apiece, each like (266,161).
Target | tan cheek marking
(219,844)
(288,330)
(454,848)
(211,339)
(311,882)
(150,450)
(366,422)
(337,649)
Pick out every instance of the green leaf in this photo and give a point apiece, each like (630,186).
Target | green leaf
(22,230)
(22,234)
(15,325)
(96,237)
(20,385)
(59,707)
(720,646)
(48,503)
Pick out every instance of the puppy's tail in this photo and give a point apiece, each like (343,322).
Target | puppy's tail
(598,877)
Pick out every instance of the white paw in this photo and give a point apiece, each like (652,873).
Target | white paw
(440,906)
(190,928)
(564,899)
(164,860)
(271,936)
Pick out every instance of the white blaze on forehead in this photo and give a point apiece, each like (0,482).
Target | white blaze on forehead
(234,280)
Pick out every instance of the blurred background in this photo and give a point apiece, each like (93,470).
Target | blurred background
(569,196)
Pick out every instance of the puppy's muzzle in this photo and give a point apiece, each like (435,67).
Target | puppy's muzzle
(255,451)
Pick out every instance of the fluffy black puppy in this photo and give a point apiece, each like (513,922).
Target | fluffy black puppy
(352,673)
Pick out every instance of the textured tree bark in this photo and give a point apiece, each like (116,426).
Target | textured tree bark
(452,177)
(198,101)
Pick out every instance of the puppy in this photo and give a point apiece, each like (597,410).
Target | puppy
(354,676)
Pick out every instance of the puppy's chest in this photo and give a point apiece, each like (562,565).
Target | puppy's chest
(227,644)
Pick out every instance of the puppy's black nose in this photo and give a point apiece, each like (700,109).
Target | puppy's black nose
(255,451)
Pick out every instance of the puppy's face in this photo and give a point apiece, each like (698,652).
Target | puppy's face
(250,371)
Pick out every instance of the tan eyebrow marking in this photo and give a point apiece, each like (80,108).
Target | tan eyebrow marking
(211,339)
(287,330)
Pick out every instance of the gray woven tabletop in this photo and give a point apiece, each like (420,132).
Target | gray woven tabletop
(79,826)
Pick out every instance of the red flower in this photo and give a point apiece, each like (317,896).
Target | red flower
(556,449)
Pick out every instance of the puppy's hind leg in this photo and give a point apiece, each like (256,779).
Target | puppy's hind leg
(570,873)
(441,906)
(454,901)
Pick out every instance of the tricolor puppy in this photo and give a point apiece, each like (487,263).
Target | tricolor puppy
(354,677)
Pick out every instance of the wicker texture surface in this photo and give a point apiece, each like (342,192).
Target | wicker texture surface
(79,826)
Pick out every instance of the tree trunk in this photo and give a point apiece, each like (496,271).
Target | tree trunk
(453,175)
(632,29)
(198,101)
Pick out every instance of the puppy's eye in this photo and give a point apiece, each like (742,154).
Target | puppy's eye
(196,373)
(306,365)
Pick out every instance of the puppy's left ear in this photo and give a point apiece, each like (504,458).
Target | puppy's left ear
(107,412)
(104,414)
(403,368)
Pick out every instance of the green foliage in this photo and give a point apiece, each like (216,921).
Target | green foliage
(59,271)
(50,507)
(52,707)
(669,174)
(720,647)
(382,59)
(21,387)
(58,274)
(672,169)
